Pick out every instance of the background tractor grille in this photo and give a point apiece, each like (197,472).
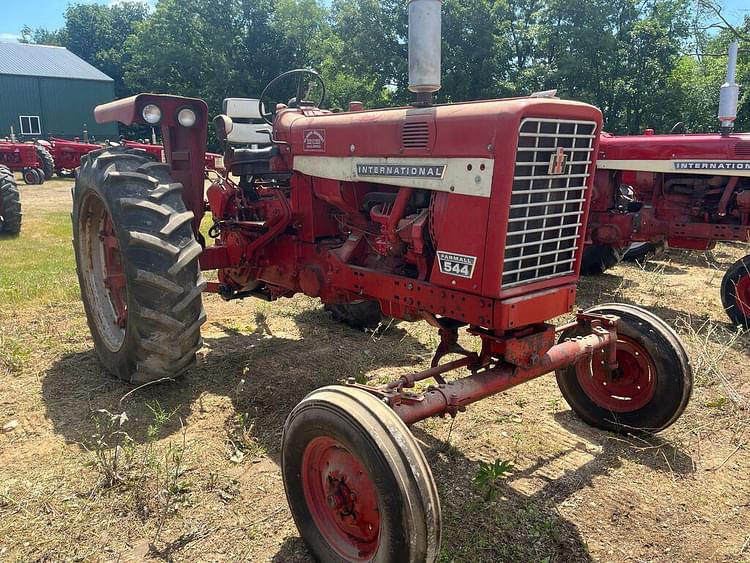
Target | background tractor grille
(545,228)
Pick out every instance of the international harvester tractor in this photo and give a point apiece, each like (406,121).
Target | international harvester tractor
(33,161)
(67,154)
(467,216)
(677,190)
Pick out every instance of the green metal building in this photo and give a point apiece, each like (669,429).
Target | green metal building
(50,91)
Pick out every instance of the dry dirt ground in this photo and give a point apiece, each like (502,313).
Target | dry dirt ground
(195,474)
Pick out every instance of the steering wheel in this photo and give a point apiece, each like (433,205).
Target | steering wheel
(679,128)
(303,88)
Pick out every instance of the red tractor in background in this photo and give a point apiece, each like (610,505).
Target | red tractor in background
(214,161)
(33,161)
(677,191)
(67,154)
(467,216)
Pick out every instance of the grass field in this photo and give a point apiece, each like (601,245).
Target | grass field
(190,471)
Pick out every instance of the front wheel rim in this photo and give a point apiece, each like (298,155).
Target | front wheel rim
(628,388)
(342,499)
(103,272)
(742,295)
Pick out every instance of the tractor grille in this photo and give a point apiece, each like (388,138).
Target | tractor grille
(553,164)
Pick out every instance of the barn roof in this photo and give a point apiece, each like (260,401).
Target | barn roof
(46,61)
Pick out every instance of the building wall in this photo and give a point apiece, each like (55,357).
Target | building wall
(63,105)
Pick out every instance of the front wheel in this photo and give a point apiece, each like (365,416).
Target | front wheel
(357,483)
(651,387)
(137,264)
(735,292)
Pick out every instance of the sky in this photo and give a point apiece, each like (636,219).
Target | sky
(49,13)
(38,13)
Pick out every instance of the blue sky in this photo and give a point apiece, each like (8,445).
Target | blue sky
(49,13)
(37,13)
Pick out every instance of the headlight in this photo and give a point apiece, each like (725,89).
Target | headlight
(186,117)
(151,114)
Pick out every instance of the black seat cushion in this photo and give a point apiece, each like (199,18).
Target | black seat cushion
(252,162)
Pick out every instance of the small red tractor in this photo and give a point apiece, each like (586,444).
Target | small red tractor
(33,161)
(10,203)
(67,154)
(677,190)
(467,216)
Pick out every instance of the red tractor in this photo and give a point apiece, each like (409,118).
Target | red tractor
(10,203)
(33,161)
(467,216)
(67,154)
(213,161)
(681,191)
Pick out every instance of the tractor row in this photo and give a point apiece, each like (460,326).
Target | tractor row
(679,191)
(38,162)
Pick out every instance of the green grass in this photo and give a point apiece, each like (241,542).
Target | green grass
(38,266)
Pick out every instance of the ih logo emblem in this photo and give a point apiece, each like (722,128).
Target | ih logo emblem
(558,162)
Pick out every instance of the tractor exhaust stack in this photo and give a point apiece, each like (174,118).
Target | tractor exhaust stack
(425,34)
(730,93)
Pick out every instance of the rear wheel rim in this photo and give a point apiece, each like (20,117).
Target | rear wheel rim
(103,272)
(628,388)
(742,295)
(342,499)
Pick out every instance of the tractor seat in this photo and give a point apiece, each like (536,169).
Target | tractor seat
(253,162)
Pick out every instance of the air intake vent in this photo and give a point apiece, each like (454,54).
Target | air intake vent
(415,135)
(742,148)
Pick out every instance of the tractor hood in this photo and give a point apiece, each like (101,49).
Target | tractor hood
(693,154)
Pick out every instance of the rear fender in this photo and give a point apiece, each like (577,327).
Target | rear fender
(184,147)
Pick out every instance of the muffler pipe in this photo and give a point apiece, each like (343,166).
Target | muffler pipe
(425,36)
(730,93)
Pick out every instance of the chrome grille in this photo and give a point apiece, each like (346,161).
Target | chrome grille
(545,226)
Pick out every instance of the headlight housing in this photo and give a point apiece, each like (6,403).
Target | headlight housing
(151,114)
(186,117)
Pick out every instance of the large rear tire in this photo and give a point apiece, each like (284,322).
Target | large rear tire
(735,292)
(47,163)
(598,258)
(10,203)
(639,251)
(651,387)
(361,315)
(137,263)
(358,485)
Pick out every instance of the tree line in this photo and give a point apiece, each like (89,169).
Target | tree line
(645,63)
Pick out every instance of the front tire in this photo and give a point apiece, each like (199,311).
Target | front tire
(137,264)
(651,387)
(598,258)
(735,292)
(10,203)
(358,485)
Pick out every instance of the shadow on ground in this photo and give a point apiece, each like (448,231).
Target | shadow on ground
(266,376)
